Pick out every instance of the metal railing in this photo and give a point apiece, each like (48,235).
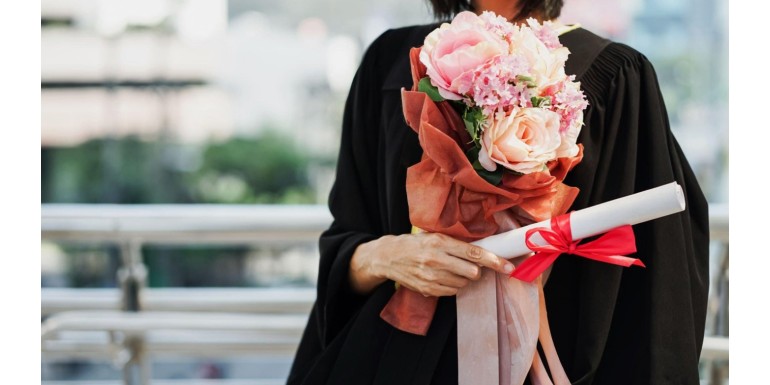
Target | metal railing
(174,224)
(131,323)
(234,300)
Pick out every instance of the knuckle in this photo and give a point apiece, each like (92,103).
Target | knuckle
(422,260)
(431,260)
(433,241)
(427,261)
(474,252)
(475,272)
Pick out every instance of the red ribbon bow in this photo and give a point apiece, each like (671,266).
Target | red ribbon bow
(606,248)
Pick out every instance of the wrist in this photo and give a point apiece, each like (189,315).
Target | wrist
(365,272)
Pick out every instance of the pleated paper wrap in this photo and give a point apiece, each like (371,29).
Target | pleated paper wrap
(499,318)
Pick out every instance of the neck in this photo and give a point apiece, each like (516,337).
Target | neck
(508,9)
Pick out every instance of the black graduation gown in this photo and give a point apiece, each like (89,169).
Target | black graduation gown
(610,325)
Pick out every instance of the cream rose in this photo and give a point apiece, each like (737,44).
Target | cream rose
(546,65)
(452,52)
(522,141)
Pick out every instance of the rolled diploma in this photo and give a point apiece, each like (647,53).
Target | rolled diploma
(629,210)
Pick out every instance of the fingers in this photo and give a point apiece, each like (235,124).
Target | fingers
(433,281)
(461,267)
(439,276)
(446,278)
(431,289)
(477,255)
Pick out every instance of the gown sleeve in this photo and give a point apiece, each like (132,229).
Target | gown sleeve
(632,326)
(353,200)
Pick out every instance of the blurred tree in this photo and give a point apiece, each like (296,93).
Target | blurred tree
(264,169)
(267,169)
(196,266)
(107,170)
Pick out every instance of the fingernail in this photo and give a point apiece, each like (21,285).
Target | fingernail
(508,268)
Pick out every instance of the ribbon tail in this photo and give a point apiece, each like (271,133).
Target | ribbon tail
(619,260)
(504,322)
(620,240)
(538,375)
(546,341)
(533,266)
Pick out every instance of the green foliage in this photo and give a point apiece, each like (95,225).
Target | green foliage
(196,266)
(493,177)
(541,101)
(425,86)
(474,120)
(528,80)
(266,169)
(125,170)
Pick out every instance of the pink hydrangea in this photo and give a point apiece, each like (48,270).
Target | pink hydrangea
(494,86)
(546,33)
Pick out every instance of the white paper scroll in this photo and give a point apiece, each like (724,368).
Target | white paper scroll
(630,210)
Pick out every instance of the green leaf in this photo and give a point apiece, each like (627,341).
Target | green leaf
(473,118)
(425,86)
(538,101)
(528,80)
(525,78)
(473,155)
(492,177)
(471,128)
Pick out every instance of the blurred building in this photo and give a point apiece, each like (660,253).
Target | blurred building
(112,68)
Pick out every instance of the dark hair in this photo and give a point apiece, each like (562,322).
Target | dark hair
(547,9)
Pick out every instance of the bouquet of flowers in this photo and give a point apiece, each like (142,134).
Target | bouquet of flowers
(497,119)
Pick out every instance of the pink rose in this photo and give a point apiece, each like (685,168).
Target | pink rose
(522,141)
(452,52)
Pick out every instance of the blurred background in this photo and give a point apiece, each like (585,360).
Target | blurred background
(188,148)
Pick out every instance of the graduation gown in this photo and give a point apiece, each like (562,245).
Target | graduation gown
(610,325)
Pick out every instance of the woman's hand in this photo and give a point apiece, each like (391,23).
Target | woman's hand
(428,263)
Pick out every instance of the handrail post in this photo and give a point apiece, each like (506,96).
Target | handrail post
(720,369)
(133,277)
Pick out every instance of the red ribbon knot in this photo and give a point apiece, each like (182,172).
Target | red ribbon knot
(609,248)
